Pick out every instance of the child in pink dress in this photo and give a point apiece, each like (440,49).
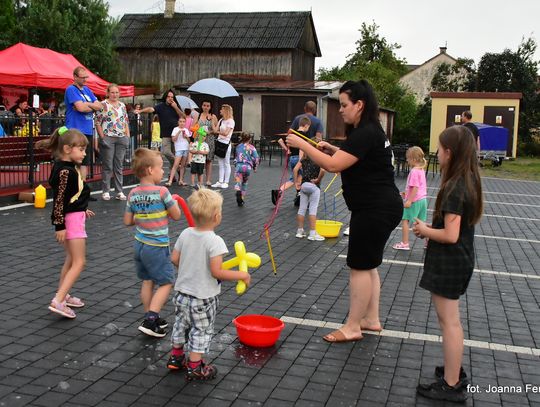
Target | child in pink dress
(415,205)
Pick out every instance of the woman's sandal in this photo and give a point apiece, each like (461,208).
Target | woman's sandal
(168,184)
(61,308)
(74,302)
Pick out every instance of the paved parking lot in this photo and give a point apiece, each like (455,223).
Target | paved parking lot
(101,359)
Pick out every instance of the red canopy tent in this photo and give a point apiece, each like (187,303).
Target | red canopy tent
(29,67)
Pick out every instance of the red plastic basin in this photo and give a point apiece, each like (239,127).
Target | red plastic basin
(258,331)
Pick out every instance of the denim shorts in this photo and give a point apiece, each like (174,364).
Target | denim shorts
(154,263)
(181,153)
(293,160)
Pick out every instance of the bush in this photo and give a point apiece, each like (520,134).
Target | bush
(528,149)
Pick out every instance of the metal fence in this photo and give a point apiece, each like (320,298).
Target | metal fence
(21,165)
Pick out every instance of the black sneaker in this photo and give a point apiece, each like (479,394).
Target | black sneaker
(239,199)
(274,195)
(297,199)
(177,362)
(440,390)
(162,323)
(201,372)
(439,372)
(151,328)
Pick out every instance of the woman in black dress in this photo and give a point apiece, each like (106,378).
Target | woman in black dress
(365,163)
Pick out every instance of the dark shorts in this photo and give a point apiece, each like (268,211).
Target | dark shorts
(88,158)
(197,168)
(369,231)
(154,263)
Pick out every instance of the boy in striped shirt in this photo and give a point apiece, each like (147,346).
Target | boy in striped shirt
(148,208)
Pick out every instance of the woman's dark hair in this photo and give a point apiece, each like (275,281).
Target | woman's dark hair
(462,165)
(164,97)
(363,91)
(210,103)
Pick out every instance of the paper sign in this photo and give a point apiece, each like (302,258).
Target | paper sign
(457,118)
(35,102)
(498,119)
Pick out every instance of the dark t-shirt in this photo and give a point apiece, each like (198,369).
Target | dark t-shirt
(448,267)
(310,170)
(370,182)
(473,129)
(168,119)
(314,127)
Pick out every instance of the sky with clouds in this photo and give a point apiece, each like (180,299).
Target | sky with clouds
(468,29)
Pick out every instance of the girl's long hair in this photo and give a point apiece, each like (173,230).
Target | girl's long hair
(462,165)
(69,137)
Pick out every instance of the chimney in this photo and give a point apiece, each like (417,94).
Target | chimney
(169,8)
(442,50)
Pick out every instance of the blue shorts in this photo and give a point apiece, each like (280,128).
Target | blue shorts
(293,160)
(181,153)
(154,263)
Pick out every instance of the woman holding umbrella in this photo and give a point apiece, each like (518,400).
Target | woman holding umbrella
(209,122)
(365,163)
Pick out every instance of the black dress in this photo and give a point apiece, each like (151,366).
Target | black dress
(370,194)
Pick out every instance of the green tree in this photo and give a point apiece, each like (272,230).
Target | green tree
(79,27)
(458,77)
(516,71)
(375,60)
(7,23)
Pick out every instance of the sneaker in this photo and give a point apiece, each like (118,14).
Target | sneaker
(151,328)
(224,185)
(177,362)
(401,246)
(315,237)
(276,194)
(201,372)
(216,185)
(120,196)
(346,231)
(106,196)
(74,302)
(239,199)
(297,199)
(300,233)
(440,390)
(61,308)
(196,187)
(162,323)
(439,372)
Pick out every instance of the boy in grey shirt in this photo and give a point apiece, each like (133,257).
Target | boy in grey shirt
(198,254)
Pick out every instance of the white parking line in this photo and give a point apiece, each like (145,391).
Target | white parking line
(417,336)
(499,193)
(515,239)
(481,271)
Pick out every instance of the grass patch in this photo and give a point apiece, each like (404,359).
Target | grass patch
(520,168)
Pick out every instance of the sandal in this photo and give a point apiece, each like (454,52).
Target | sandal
(338,336)
(74,302)
(62,309)
(168,184)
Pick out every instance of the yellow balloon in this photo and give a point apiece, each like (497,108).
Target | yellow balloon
(244,261)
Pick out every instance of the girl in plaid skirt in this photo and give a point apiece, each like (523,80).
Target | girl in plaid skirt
(449,260)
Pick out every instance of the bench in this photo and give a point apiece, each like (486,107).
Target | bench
(14,152)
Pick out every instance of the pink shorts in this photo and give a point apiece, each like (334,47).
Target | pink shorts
(75,225)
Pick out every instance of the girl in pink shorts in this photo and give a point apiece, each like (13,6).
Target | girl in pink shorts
(70,210)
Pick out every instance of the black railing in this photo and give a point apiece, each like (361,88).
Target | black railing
(22,165)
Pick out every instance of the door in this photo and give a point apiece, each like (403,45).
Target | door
(453,114)
(504,116)
(278,112)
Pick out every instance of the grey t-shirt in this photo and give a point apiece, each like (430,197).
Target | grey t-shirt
(196,249)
